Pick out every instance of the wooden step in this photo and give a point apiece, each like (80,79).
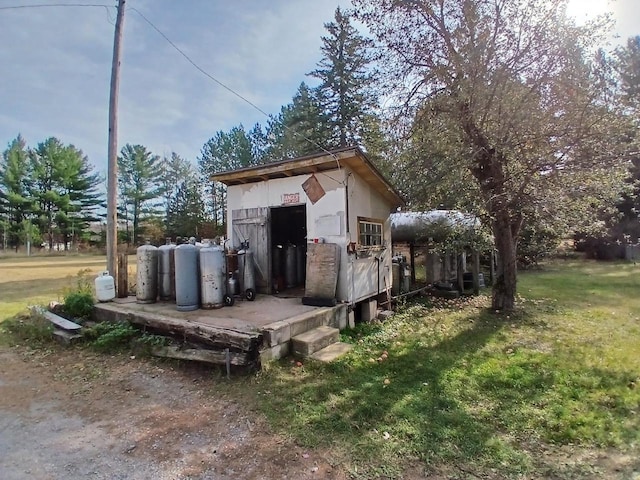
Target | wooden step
(308,343)
(333,351)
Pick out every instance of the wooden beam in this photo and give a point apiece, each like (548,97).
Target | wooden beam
(123,275)
(215,357)
(476,272)
(460,272)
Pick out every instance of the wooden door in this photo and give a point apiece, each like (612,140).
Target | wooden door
(252,225)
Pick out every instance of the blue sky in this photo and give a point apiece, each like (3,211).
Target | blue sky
(56,65)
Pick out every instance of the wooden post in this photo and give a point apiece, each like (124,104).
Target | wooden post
(460,272)
(112,150)
(412,254)
(476,272)
(123,275)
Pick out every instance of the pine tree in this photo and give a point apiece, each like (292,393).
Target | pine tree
(140,186)
(345,91)
(16,203)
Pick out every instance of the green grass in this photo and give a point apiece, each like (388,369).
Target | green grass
(40,279)
(469,388)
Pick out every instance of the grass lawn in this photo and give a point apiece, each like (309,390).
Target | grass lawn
(465,390)
(447,387)
(39,279)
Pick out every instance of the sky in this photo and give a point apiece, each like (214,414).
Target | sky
(56,67)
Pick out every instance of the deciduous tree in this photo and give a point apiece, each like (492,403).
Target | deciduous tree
(517,82)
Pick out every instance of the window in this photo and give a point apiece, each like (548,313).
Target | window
(369,232)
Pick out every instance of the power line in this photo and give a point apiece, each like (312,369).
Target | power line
(44,5)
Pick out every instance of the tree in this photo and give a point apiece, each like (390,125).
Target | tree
(174,171)
(63,189)
(224,151)
(15,202)
(301,128)
(515,83)
(186,213)
(345,81)
(139,185)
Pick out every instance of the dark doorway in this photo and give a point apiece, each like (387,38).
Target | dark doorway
(288,249)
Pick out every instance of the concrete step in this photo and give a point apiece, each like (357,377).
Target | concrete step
(311,341)
(333,351)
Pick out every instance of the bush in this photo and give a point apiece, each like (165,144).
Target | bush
(25,328)
(78,301)
(108,336)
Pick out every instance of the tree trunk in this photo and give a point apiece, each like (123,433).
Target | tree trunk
(504,287)
(506,219)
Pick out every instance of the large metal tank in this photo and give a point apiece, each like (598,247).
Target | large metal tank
(167,271)
(396,273)
(147,274)
(212,276)
(290,266)
(247,276)
(301,263)
(187,278)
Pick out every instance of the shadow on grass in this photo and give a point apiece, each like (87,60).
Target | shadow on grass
(417,413)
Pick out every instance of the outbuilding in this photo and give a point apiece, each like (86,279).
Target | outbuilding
(317,225)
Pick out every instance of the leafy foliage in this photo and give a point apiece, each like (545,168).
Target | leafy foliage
(110,336)
(521,119)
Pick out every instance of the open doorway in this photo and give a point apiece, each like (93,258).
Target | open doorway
(289,249)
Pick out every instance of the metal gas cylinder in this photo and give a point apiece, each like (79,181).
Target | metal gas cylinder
(290,266)
(187,278)
(212,276)
(147,274)
(167,271)
(246,273)
(105,287)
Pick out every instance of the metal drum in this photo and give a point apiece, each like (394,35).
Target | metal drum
(212,276)
(396,272)
(301,263)
(167,271)
(147,274)
(187,278)
(290,266)
(247,274)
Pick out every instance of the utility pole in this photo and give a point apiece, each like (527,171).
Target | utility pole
(112,166)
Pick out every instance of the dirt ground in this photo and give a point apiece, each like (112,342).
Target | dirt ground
(67,414)
(74,414)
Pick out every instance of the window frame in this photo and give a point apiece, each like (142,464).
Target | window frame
(367,231)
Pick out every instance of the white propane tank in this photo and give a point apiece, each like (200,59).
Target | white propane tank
(105,287)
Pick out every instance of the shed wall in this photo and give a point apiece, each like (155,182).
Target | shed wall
(327,219)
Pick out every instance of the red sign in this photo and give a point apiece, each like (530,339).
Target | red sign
(288,198)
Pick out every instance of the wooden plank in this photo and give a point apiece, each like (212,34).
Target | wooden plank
(60,322)
(323,263)
(215,337)
(123,275)
(460,272)
(476,272)
(202,355)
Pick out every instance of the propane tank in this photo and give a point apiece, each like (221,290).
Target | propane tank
(167,271)
(147,275)
(301,263)
(212,276)
(105,287)
(187,278)
(406,277)
(247,274)
(232,285)
(396,278)
(290,267)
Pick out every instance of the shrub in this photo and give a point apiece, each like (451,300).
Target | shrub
(108,336)
(78,301)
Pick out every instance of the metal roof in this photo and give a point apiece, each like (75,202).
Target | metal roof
(352,157)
